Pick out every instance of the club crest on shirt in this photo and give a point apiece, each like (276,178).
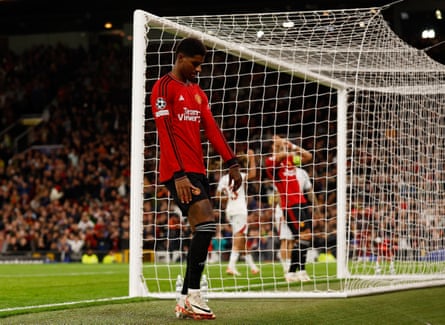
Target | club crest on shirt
(198,99)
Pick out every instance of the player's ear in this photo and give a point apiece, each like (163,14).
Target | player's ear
(179,56)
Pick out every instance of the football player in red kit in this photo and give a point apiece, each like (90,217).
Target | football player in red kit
(181,109)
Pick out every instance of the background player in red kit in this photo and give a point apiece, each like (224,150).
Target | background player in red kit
(291,183)
(180,109)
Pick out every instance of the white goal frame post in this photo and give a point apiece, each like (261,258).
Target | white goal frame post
(368,74)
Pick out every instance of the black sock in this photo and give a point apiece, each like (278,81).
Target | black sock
(197,255)
(298,257)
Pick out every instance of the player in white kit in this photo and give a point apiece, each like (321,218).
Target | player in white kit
(236,214)
(286,237)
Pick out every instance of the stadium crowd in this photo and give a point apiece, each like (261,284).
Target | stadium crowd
(68,190)
(76,166)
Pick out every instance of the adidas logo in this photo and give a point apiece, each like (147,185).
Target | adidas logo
(181,98)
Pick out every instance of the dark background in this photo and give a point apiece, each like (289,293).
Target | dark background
(408,18)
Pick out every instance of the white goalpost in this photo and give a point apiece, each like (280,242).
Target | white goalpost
(370,109)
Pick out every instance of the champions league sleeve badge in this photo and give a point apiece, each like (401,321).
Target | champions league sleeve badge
(161,104)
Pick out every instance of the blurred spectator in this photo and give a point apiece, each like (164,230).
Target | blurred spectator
(63,249)
(85,222)
(76,243)
(109,258)
(175,234)
(90,257)
(218,246)
(90,238)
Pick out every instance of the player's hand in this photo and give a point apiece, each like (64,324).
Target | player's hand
(235,179)
(185,189)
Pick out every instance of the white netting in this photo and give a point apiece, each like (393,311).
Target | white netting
(353,48)
(345,87)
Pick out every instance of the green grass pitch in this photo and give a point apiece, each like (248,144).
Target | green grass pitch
(97,294)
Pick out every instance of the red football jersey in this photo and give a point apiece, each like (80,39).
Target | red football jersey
(289,183)
(180,111)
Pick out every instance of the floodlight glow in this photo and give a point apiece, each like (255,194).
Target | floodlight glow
(438,13)
(428,33)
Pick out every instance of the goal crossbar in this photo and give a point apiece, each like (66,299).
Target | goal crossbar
(289,60)
(236,49)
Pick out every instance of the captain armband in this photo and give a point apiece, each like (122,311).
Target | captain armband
(296,160)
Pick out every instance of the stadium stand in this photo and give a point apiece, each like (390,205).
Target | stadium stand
(74,164)
(76,160)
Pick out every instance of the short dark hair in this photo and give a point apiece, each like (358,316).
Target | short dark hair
(191,46)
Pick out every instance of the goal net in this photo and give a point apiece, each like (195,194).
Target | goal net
(339,83)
